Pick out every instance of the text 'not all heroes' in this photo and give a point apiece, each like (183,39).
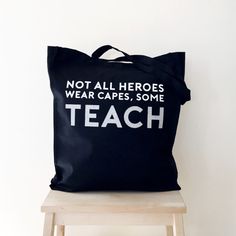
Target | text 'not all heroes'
(73,90)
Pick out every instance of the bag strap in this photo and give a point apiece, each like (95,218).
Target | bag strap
(152,66)
(100,51)
(140,65)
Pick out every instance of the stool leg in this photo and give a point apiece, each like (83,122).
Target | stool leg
(169,230)
(60,230)
(178,227)
(48,229)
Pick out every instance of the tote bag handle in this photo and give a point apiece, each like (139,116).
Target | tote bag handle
(146,67)
(100,51)
(151,66)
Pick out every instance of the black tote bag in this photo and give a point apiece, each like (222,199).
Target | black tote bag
(115,120)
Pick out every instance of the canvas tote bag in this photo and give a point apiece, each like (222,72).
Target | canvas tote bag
(115,120)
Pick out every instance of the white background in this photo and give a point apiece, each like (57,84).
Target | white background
(206,139)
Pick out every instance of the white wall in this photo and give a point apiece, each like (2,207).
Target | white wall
(206,139)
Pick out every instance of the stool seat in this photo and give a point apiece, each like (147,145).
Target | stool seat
(113,208)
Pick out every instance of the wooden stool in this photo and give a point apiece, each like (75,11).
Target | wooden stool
(113,208)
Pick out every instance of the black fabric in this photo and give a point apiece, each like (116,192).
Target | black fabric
(115,120)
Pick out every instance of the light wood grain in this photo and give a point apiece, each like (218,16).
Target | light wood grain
(113,208)
(114,202)
(48,229)
(178,227)
(60,230)
(113,219)
(169,230)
